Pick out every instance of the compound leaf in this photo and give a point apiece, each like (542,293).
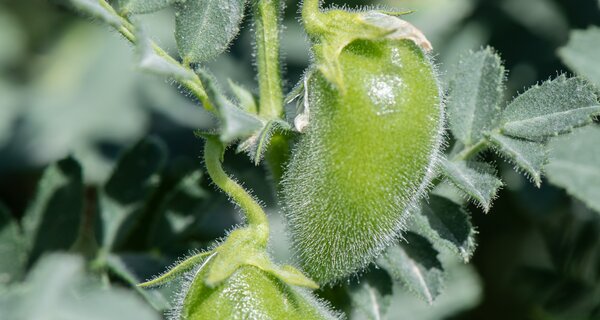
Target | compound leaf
(414,262)
(575,165)
(581,53)
(553,108)
(52,220)
(528,156)
(204,28)
(476,90)
(477,184)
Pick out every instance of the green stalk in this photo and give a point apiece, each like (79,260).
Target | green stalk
(266,13)
(256,217)
(311,16)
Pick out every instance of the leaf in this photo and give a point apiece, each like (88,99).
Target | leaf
(581,53)
(476,90)
(131,184)
(178,269)
(528,156)
(96,10)
(477,184)
(575,165)
(235,123)
(58,288)
(118,266)
(371,297)
(258,143)
(12,248)
(52,221)
(151,61)
(245,98)
(553,108)
(127,7)
(204,28)
(415,264)
(448,223)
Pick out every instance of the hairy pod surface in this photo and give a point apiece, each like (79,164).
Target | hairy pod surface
(250,293)
(366,157)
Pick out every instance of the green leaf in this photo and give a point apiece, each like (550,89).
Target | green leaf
(142,6)
(12,248)
(131,184)
(415,263)
(118,266)
(151,61)
(528,156)
(245,98)
(52,221)
(476,90)
(479,185)
(553,108)
(258,143)
(204,28)
(371,297)
(447,223)
(58,288)
(575,165)
(96,10)
(235,123)
(581,53)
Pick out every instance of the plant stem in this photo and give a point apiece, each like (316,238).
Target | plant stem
(310,16)
(267,18)
(213,150)
(471,151)
(195,85)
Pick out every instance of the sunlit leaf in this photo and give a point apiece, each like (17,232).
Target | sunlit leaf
(204,28)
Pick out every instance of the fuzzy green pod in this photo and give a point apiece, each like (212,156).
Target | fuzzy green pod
(366,156)
(250,293)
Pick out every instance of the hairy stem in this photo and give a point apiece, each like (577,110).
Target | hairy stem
(471,151)
(195,85)
(267,18)
(310,16)
(213,150)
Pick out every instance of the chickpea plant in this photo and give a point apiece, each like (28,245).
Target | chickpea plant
(362,173)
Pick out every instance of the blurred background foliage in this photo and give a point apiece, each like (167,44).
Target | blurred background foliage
(69,87)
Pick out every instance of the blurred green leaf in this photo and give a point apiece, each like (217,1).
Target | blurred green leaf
(553,108)
(414,262)
(142,6)
(476,90)
(58,289)
(132,183)
(371,297)
(12,38)
(179,209)
(118,266)
(528,156)
(53,219)
(575,165)
(448,223)
(10,110)
(12,248)
(204,28)
(245,97)
(581,53)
